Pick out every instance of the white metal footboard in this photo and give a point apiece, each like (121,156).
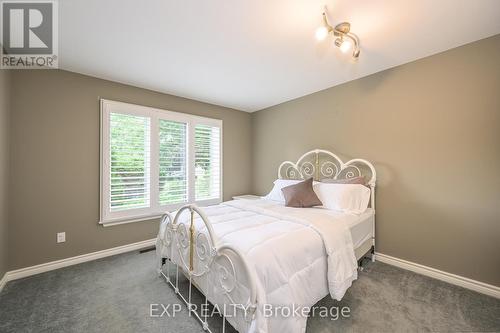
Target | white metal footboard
(219,271)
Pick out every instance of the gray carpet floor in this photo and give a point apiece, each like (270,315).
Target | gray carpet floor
(114,295)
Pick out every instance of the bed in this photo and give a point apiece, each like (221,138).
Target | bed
(250,257)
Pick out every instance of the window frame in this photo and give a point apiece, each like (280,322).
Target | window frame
(107,217)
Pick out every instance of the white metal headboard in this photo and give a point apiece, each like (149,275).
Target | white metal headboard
(322,164)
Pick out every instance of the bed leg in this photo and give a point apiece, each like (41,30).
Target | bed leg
(360,265)
(161,262)
(373,253)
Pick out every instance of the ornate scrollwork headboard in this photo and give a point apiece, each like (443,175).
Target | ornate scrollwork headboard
(322,164)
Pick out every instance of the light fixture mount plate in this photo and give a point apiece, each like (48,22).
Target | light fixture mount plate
(343,28)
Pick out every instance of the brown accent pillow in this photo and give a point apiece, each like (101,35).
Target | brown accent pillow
(353,180)
(301,195)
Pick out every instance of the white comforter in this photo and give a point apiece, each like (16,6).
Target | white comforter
(299,255)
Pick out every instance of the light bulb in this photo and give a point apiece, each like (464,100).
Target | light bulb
(321,33)
(345,46)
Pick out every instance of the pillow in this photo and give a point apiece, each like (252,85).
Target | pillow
(301,195)
(354,180)
(276,194)
(347,198)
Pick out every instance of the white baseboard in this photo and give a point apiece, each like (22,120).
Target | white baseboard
(28,271)
(458,280)
(461,281)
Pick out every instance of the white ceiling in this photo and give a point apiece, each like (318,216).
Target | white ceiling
(252,54)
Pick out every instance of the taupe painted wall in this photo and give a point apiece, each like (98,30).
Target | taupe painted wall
(54,179)
(4,165)
(432,129)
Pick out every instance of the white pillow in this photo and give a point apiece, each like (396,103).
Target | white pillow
(276,194)
(347,198)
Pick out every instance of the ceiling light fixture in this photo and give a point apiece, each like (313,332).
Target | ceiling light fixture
(345,39)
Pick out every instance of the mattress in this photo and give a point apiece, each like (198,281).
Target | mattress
(362,228)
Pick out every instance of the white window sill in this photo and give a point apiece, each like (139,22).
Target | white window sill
(130,220)
(153,216)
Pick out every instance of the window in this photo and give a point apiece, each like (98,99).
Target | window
(207,161)
(155,160)
(130,159)
(172,162)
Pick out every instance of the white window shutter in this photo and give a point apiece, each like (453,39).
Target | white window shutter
(207,162)
(172,162)
(129,148)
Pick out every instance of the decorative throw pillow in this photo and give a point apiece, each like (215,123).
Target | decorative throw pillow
(301,195)
(353,180)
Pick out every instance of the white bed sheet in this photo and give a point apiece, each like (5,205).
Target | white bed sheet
(362,228)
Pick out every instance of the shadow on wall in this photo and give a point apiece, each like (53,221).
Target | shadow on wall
(378,79)
(326,49)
